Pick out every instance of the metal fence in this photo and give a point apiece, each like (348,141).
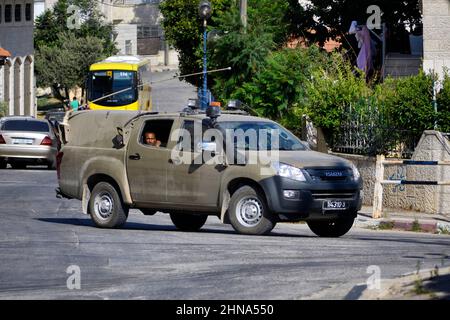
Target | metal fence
(364,131)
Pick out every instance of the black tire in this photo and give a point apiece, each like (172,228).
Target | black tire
(187,221)
(106,207)
(331,229)
(258,221)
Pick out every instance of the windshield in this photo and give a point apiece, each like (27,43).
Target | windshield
(262,135)
(105,82)
(25,125)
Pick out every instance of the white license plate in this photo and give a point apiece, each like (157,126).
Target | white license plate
(335,205)
(22,141)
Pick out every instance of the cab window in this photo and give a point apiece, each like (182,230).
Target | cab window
(160,130)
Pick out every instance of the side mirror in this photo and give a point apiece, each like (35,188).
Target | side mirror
(118,140)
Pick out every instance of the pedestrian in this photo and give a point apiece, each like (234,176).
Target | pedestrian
(75,104)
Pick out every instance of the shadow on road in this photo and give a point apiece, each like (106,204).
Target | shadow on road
(152,227)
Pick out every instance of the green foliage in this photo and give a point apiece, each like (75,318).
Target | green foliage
(63,55)
(184,30)
(67,64)
(246,52)
(333,90)
(444,106)
(410,104)
(3,109)
(277,90)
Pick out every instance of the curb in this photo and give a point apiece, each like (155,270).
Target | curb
(404,224)
(430,284)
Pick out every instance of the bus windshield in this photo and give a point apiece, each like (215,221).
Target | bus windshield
(105,82)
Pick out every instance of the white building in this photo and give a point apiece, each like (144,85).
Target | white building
(17,74)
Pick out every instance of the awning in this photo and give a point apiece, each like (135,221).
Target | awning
(4,53)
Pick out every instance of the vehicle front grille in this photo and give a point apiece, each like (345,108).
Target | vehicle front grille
(345,194)
(338,175)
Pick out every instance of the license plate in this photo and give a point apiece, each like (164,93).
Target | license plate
(22,141)
(335,205)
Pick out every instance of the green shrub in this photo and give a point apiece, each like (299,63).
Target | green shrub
(3,109)
(444,106)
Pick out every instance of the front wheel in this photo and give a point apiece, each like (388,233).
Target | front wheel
(331,229)
(187,221)
(106,207)
(248,212)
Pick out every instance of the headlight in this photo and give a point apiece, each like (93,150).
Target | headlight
(356,174)
(287,171)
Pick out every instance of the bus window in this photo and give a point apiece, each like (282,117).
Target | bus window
(105,82)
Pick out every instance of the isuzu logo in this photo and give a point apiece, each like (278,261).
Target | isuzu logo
(334,174)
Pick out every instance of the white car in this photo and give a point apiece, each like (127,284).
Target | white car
(26,140)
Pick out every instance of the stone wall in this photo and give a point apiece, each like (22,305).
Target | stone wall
(436,24)
(429,199)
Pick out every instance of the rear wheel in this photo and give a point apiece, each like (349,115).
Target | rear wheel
(106,206)
(248,212)
(187,221)
(331,229)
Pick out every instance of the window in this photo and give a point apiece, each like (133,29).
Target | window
(25,125)
(28,12)
(8,13)
(161,129)
(192,136)
(17,13)
(128,48)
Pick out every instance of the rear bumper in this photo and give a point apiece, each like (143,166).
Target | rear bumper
(25,152)
(310,202)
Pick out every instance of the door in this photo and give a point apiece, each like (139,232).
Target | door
(147,163)
(193,182)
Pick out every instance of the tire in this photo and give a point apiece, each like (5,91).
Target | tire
(187,221)
(331,229)
(106,207)
(248,212)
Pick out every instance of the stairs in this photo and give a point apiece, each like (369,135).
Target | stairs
(402,65)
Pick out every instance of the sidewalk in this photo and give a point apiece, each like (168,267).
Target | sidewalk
(404,220)
(426,285)
(163,68)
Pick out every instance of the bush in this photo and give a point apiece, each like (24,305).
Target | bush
(444,106)
(3,109)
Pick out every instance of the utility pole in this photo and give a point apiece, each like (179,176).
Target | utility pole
(243,9)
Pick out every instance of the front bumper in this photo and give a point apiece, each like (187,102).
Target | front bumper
(312,195)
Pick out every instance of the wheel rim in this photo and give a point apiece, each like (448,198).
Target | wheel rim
(103,205)
(249,211)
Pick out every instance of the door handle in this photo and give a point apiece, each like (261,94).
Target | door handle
(135,156)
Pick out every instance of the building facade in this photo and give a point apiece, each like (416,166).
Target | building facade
(436,25)
(17,84)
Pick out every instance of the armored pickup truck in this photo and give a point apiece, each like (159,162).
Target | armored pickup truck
(248,171)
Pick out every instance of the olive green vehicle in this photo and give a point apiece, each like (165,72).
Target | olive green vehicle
(105,163)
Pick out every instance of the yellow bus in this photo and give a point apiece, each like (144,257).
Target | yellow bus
(119,83)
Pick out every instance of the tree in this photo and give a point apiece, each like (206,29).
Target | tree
(66,65)
(63,54)
(184,30)
(331,19)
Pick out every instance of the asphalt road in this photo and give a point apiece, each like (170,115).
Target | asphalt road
(41,237)
(163,88)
